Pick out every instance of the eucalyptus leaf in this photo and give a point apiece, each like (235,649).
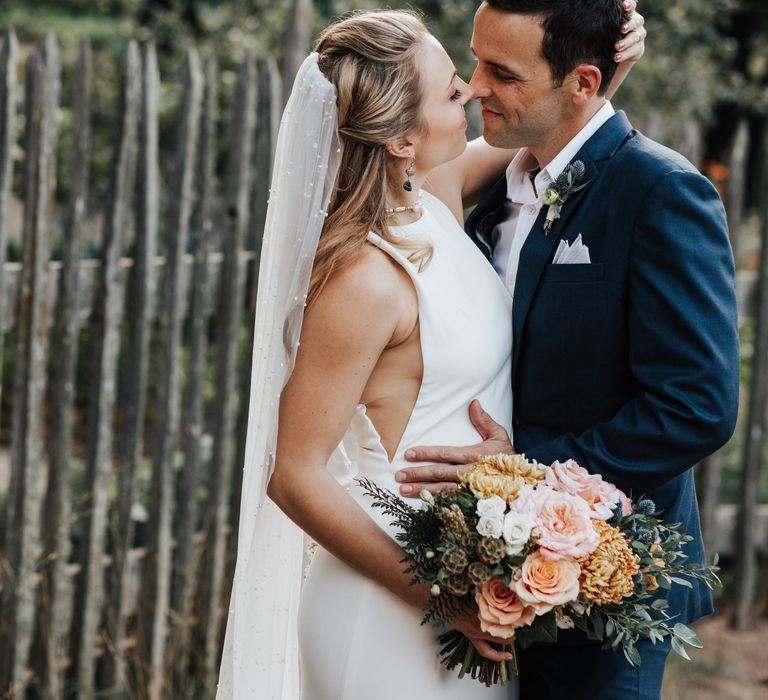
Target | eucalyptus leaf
(679,648)
(687,635)
(633,656)
(682,581)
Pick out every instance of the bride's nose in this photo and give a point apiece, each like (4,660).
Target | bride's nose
(468,92)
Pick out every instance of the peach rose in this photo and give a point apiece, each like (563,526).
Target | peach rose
(500,609)
(600,495)
(564,527)
(545,584)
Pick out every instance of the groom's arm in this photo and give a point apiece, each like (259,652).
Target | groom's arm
(684,354)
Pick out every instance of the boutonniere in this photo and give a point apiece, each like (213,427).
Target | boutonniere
(569,182)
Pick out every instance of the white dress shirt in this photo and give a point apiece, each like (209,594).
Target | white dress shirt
(524,190)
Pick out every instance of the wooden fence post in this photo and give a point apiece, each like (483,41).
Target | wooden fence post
(33,314)
(8,60)
(229,315)
(89,587)
(710,473)
(296,36)
(736,183)
(141,284)
(54,599)
(156,579)
(267,124)
(193,424)
(754,450)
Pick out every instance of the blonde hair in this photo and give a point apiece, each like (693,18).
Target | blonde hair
(370,57)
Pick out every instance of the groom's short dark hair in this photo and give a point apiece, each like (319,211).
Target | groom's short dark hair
(575,32)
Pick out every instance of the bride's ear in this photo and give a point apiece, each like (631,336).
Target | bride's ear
(401,148)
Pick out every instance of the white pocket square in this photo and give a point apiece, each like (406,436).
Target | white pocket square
(575,253)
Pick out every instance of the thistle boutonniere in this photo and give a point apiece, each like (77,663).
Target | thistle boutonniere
(569,182)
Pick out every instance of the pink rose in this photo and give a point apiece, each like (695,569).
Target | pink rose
(615,495)
(569,477)
(601,496)
(500,609)
(545,583)
(564,527)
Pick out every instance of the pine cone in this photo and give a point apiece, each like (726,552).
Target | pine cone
(454,560)
(470,543)
(456,585)
(453,520)
(491,550)
(478,573)
(447,498)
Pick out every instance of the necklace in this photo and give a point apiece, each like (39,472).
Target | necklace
(407,207)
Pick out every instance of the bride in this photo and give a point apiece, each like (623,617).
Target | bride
(402,323)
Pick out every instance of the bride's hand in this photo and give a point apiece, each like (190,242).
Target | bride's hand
(451,462)
(469,626)
(631,47)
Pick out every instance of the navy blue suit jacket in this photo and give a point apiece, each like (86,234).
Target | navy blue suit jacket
(628,364)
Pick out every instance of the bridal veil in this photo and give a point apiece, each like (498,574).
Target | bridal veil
(260,656)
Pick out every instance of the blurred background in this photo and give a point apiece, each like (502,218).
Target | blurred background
(136,138)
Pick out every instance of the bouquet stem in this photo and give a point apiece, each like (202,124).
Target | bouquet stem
(458,651)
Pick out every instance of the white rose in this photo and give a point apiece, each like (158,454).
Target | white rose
(563,621)
(516,531)
(490,525)
(580,608)
(495,505)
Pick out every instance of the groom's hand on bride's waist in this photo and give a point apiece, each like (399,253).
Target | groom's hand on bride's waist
(448,463)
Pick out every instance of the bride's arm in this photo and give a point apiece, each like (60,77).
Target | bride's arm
(352,322)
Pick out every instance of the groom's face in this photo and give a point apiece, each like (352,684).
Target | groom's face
(513,81)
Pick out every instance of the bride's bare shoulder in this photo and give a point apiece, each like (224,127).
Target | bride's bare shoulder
(371,287)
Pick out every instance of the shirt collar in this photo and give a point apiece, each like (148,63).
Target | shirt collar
(520,189)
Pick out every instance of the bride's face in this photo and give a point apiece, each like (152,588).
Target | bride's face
(442,108)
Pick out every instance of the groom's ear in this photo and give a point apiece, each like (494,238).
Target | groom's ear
(400,148)
(583,82)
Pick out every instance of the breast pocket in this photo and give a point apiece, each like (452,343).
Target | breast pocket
(582,272)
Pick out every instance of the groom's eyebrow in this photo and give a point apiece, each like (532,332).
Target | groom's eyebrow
(495,64)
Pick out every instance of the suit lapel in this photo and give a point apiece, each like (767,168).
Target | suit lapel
(482,219)
(539,248)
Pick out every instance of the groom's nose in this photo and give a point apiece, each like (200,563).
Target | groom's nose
(479,87)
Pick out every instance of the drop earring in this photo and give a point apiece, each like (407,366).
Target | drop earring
(410,172)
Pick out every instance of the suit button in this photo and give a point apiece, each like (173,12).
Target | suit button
(515,422)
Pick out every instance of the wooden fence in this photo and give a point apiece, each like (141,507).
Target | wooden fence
(135,608)
(128,378)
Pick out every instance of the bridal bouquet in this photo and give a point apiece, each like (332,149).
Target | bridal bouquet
(531,549)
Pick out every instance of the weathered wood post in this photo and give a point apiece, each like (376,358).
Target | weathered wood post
(229,315)
(33,317)
(89,587)
(156,578)
(296,38)
(754,450)
(128,449)
(8,88)
(53,602)
(182,586)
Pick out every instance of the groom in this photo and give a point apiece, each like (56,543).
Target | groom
(625,352)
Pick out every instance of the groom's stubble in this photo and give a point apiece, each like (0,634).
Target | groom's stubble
(522,104)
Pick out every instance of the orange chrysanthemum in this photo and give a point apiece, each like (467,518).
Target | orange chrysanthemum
(502,475)
(607,574)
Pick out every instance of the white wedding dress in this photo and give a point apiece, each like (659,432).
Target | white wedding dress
(358,641)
